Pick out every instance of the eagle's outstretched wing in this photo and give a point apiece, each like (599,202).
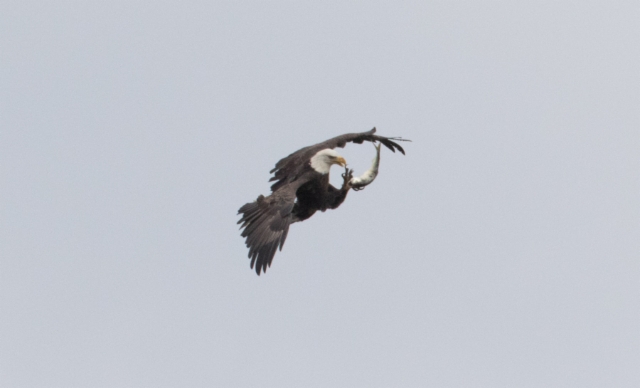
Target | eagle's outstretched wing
(266,224)
(291,167)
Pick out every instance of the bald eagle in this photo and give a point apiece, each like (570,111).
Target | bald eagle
(302,187)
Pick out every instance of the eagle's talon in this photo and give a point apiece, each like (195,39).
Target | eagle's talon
(348,174)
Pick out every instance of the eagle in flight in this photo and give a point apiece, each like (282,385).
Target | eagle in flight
(301,188)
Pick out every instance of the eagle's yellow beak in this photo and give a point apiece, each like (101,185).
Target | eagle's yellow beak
(341,161)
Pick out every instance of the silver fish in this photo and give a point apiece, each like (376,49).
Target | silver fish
(365,179)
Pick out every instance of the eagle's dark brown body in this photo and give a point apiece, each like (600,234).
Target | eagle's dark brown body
(317,194)
(299,191)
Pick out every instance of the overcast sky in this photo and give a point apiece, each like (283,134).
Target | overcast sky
(501,251)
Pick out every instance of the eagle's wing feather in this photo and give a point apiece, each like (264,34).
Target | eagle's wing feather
(291,167)
(266,224)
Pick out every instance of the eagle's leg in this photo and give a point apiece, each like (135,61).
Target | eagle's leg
(335,197)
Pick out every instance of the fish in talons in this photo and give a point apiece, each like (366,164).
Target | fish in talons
(359,183)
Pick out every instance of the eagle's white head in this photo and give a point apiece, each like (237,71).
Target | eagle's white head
(324,159)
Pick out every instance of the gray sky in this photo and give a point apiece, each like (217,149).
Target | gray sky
(501,251)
